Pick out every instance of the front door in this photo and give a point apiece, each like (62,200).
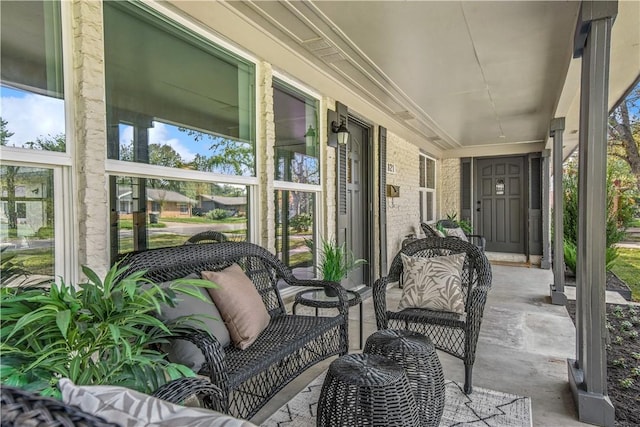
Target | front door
(357,232)
(500,215)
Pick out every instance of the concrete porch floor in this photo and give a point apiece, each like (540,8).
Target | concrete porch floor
(523,346)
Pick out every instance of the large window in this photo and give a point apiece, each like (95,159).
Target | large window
(186,106)
(32,117)
(427,189)
(297,180)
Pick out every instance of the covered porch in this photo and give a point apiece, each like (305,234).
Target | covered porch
(523,347)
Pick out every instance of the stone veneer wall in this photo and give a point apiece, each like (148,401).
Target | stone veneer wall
(265,147)
(403,214)
(449,178)
(90,126)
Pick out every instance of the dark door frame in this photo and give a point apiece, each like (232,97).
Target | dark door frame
(369,196)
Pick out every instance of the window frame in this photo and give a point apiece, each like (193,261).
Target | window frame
(424,191)
(65,264)
(317,189)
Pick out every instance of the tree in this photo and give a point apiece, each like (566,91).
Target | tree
(624,132)
(228,155)
(5,134)
(49,143)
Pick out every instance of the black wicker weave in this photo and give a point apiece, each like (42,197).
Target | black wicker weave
(288,346)
(429,230)
(366,390)
(417,355)
(209,236)
(22,408)
(449,332)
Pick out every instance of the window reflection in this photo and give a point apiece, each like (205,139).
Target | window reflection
(296,146)
(295,225)
(31,89)
(161,112)
(152,213)
(27,219)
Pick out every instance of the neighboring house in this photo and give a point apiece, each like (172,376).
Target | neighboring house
(233,205)
(167,203)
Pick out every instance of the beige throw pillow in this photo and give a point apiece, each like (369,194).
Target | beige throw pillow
(239,303)
(434,283)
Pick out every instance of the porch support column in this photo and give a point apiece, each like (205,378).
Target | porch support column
(545,262)
(557,288)
(588,374)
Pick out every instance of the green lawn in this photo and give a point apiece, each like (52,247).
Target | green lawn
(627,268)
(203,220)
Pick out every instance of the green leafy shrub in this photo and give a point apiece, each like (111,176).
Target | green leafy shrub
(103,332)
(626,383)
(217,214)
(570,255)
(301,222)
(616,222)
(44,233)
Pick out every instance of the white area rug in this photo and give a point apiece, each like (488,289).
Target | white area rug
(482,408)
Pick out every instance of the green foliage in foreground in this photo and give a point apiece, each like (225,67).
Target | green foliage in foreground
(571,255)
(103,332)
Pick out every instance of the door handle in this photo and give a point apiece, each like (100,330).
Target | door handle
(477,209)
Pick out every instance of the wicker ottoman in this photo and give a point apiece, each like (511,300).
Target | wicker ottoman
(366,390)
(418,356)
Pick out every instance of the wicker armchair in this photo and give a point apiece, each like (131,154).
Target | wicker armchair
(209,236)
(430,231)
(476,239)
(449,332)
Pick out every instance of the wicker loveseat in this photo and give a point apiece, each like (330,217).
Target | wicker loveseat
(290,343)
(456,334)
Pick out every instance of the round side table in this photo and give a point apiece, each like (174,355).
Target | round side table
(417,355)
(366,390)
(318,299)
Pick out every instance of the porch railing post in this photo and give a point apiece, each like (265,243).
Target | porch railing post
(588,374)
(557,288)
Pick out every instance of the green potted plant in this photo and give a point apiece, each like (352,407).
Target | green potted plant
(102,332)
(335,262)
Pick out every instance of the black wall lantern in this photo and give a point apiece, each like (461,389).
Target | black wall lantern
(338,134)
(341,131)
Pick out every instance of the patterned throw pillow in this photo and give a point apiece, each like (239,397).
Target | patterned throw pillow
(130,408)
(434,283)
(456,232)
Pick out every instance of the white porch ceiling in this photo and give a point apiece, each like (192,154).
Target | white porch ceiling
(466,78)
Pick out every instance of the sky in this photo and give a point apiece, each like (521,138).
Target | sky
(30,115)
